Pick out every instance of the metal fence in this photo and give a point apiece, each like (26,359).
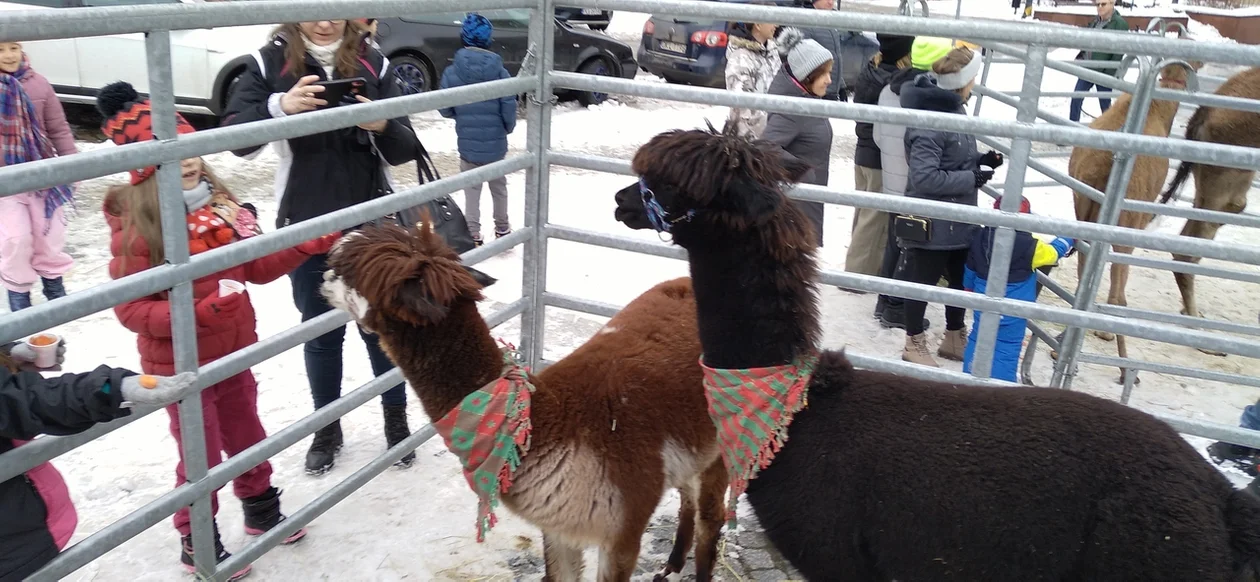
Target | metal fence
(1027,42)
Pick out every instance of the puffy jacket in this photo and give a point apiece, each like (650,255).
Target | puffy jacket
(481,128)
(941,164)
(890,138)
(327,171)
(39,518)
(869,84)
(150,317)
(805,138)
(750,68)
(49,111)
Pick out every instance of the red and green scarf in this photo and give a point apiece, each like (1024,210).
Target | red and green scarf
(489,432)
(752,409)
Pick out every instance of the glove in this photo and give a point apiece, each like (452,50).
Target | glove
(149,390)
(215,311)
(991,159)
(24,355)
(983,177)
(319,246)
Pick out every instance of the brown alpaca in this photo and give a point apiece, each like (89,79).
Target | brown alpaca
(1093,167)
(1215,187)
(614,424)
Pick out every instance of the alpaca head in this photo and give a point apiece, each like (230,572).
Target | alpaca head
(1175,74)
(707,181)
(387,274)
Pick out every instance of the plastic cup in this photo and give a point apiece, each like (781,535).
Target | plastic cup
(229,287)
(45,347)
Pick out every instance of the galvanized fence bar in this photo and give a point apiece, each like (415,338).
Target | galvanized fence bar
(1213,154)
(106,295)
(1169,369)
(538,183)
(1185,267)
(1004,238)
(1005,99)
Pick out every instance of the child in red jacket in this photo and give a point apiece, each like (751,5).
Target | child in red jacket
(224,323)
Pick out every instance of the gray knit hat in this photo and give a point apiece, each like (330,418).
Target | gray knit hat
(803,54)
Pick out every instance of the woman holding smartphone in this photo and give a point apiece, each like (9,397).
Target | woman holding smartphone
(324,173)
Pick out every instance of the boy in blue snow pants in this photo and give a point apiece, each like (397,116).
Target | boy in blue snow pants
(1028,255)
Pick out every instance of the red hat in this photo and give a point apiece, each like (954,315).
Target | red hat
(128,119)
(1025,206)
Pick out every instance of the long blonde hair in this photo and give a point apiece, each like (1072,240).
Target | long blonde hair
(138,209)
(902,63)
(295,48)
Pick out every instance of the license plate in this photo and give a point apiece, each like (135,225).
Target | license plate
(673,47)
(592,11)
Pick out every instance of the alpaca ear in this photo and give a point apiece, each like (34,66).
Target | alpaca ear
(481,278)
(796,169)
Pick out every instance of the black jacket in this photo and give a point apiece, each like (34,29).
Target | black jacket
(31,405)
(941,164)
(870,83)
(329,171)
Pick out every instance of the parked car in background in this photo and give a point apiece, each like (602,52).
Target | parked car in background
(205,62)
(420,47)
(593,18)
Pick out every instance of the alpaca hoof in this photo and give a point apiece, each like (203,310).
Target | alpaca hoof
(1105,335)
(1137,380)
(664,575)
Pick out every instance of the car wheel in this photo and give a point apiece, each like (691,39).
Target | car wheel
(598,27)
(595,66)
(413,74)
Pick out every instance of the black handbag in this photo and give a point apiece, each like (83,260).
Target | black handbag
(446,217)
(912,228)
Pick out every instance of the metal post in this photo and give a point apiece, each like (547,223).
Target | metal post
(984,80)
(1108,214)
(1004,239)
(183,321)
(537,183)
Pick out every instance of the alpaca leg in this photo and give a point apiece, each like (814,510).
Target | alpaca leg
(711,518)
(1119,273)
(1116,296)
(564,562)
(1220,189)
(618,558)
(685,534)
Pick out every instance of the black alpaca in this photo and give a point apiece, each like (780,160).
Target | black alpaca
(886,477)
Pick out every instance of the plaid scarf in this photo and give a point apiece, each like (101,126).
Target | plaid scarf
(752,409)
(489,431)
(23,140)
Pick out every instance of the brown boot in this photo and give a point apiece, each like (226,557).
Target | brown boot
(953,345)
(917,351)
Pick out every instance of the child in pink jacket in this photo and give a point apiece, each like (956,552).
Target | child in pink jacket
(32,224)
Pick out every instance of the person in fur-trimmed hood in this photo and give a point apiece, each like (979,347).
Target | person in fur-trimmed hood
(752,61)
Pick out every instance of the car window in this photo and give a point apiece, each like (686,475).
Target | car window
(507,18)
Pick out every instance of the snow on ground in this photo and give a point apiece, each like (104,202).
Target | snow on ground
(418,524)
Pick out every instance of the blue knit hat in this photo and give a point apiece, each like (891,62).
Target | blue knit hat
(477,31)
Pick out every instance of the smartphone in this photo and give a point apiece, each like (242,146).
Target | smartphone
(340,91)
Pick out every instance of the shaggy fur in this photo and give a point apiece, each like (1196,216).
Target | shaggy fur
(1093,167)
(1215,187)
(886,477)
(615,424)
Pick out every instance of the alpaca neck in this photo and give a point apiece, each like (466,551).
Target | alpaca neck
(446,361)
(756,301)
(1162,114)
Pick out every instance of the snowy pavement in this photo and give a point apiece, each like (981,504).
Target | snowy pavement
(417,524)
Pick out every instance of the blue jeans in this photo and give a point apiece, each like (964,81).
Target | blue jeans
(323,354)
(1083,85)
(1250,417)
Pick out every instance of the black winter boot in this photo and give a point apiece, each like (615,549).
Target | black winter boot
(1243,458)
(262,513)
(396,430)
(324,447)
(19,301)
(54,288)
(186,555)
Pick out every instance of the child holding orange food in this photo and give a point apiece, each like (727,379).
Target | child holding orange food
(225,323)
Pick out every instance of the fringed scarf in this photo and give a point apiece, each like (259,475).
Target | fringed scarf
(752,409)
(22,138)
(490,433)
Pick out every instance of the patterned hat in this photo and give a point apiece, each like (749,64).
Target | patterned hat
(128,119)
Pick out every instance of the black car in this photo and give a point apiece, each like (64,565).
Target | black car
(420,47)
(593,18)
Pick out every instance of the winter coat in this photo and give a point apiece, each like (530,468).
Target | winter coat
(150,317)
(481,128)
(327,171)
(805,138)
(39,518)
(942,164)
(1116,22)
(872,80)
(750,68)
(1028,254)
(48,110)
(891,138)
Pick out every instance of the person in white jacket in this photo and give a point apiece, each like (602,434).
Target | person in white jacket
(752,61)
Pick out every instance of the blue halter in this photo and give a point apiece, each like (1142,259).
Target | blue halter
(656,214)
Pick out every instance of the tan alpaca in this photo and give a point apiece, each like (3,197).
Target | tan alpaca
(1093,167)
